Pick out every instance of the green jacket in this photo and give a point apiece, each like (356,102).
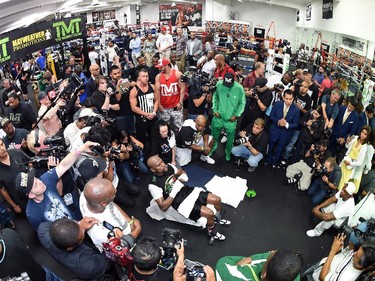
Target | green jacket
(228,101)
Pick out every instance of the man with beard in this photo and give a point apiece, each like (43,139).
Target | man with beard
(14,138)
(124,116)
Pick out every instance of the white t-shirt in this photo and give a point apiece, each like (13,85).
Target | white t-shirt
(164,40)
(112,52)
(343,208)
(209,67)
(98,233)
(341,268)
(365,209)
(70,132)
(92,56)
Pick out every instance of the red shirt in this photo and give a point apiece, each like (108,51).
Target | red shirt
(221,73)
(169,90)
(249,81)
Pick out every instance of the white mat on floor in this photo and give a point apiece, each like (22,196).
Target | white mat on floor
(230,190)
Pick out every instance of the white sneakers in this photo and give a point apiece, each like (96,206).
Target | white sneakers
(207,159)
(312,233)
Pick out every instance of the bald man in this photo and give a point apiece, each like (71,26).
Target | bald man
(96,201)
(194,136)
(167,188)
(90,84)
(221,67)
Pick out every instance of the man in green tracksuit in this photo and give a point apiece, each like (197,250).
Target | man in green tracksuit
(228,103)
(272,266)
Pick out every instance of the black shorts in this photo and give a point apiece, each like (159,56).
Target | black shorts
(201,200)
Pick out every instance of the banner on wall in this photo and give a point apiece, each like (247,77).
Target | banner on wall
(22,42)
(181,14)
(327,9)
(308,12)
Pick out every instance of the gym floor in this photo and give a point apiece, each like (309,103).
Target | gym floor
(276,218)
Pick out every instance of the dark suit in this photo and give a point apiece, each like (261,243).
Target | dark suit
(90,87)
(343,130)
(280,136)
(362,121)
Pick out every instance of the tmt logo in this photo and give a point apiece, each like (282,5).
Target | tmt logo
(64,32)
(4,56)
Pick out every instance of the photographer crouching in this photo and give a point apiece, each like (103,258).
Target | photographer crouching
(252,145)
(326,184)
(301,173)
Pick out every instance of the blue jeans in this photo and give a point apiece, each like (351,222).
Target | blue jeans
(243,152)
(50,276)
(318,191)
(128,172)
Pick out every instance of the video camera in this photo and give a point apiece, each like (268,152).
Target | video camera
(66,93)
(365,231)
(117,249)
(201,80)
(171,239)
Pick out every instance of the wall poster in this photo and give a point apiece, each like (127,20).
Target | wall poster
(181,14)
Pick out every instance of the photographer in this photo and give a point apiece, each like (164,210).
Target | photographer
(253,144)
(73,128)
(50,124)
(260,100)
(96,201)
(345,264)
(334,210)
(200,94)
(146,258)
(312,127)
(64,241)
(328,180)
(44,202)
(179,273)
(194,135)
(130,157)
(301,172)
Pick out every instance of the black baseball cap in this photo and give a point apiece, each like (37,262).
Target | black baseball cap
(228,80)
(25,182)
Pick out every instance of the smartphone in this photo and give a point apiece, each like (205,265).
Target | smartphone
(108,225)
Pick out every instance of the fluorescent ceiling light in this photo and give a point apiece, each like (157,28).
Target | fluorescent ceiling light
(3,1)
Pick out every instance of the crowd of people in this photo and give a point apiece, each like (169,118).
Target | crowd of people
(72,164)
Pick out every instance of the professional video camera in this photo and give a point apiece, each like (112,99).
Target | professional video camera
(134,155)
(117,249)
(67,92)
(363,232)
(114,153)
(243,140)
(171,239)
(201,80)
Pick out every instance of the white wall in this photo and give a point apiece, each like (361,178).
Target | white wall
(261,15)
(351,17)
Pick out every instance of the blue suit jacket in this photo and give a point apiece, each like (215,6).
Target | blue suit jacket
(362,121)
(292,117)
(350,126)
(90,87)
